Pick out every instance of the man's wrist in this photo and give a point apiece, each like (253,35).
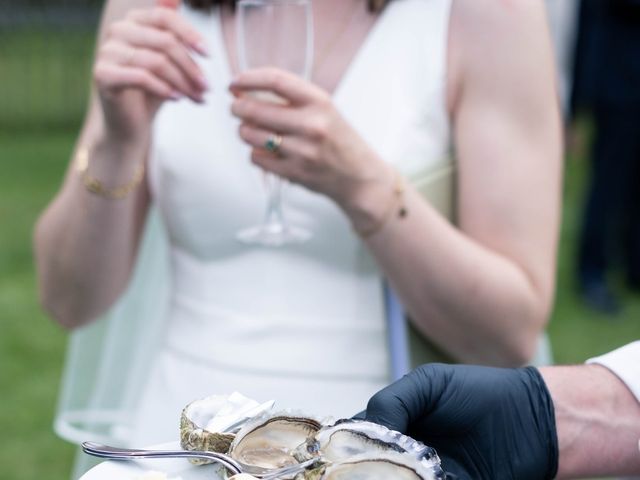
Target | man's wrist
(625,363)
(596,417)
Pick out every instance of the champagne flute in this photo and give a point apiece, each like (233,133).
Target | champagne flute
(274,33)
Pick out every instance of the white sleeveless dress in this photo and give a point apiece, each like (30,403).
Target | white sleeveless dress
(303,325)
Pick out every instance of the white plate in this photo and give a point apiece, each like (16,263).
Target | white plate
(133,469)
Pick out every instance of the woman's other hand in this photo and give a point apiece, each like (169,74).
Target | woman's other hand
(143,60)
(319,149)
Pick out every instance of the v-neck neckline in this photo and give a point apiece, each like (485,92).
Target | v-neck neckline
(346,74)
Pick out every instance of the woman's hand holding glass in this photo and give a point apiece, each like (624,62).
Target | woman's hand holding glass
(319,149)
(144,60)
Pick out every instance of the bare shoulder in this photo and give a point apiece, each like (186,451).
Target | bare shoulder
(496,40)
(489,20)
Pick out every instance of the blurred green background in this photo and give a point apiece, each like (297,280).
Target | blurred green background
(44,76)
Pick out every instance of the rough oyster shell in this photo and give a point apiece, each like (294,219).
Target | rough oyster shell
(200,425)
(348,438)
(269,441)
(381,466)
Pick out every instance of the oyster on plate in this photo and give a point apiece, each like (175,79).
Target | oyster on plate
(348,438)
(204,423)
(269,441)
(385,466)
(347,449)
(381,466)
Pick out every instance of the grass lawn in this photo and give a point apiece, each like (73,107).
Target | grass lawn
(31,346)
(44,77)
(577,332)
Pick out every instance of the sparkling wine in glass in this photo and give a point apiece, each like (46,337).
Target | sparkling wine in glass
(274,33)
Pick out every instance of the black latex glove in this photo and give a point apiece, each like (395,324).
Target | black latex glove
(485,423)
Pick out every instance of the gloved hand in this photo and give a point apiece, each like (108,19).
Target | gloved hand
(485,423)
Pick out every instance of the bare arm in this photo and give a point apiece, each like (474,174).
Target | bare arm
(597,420)
(85,244)
(490,282)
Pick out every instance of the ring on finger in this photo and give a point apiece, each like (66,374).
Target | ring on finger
(272,144)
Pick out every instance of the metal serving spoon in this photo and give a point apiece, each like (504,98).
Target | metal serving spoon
(114,453)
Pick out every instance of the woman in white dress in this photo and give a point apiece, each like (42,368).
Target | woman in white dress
(394,87)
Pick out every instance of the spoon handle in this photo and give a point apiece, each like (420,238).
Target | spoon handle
(105,451)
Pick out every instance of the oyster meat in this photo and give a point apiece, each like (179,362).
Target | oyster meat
(269,442)
(348,438)
(382,466)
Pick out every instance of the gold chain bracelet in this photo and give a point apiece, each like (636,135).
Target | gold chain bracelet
(96,187)
(396,204)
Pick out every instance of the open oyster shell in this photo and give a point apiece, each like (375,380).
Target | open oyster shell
(381,466)
(352,438)
(269,441)
(348,438)
(203,422)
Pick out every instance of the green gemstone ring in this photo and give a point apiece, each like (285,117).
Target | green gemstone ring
(273,143)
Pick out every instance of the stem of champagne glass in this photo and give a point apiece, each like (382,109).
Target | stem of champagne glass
(274,217)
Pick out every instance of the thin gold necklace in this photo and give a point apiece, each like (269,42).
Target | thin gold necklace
(323,55)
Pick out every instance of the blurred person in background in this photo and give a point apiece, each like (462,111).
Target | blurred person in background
(607,84)
(395,85)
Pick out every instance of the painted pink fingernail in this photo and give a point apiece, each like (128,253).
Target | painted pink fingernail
(203,82)
(175,95)
(198,98)
(201,48)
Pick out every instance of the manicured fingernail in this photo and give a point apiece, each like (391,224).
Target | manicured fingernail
(203,82)
(201,48)
(175,95)
(236,90)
